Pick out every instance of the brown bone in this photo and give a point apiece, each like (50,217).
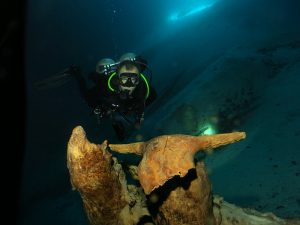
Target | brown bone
(169,155)
(101,183)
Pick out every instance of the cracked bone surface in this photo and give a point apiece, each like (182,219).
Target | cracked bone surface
(169,155)
(184,201)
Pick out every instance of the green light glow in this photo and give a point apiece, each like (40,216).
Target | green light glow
(207,129)
(210,130)
(147,85)
(108,82)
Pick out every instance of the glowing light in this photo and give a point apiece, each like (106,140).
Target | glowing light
(210,130)
(199,9)
(182,15)
(207,129)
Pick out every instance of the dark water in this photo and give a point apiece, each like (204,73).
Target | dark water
(200,52)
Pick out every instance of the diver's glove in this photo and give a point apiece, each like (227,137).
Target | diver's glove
(98,111)
(114,106)
(102,110)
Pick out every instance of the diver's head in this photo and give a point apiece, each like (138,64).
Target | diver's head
(129,56)
(106,66)
(129,76)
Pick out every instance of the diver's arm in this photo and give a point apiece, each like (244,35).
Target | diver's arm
(100,96)
(88,94)
(76,72)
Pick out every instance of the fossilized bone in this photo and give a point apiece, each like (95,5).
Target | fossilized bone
(108,200)
(169,155)
(101,183)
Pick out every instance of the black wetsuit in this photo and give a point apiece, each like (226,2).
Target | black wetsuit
(101,96)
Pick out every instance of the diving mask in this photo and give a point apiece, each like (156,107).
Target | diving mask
(129,79)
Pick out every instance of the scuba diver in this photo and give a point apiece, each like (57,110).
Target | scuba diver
(120,92)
